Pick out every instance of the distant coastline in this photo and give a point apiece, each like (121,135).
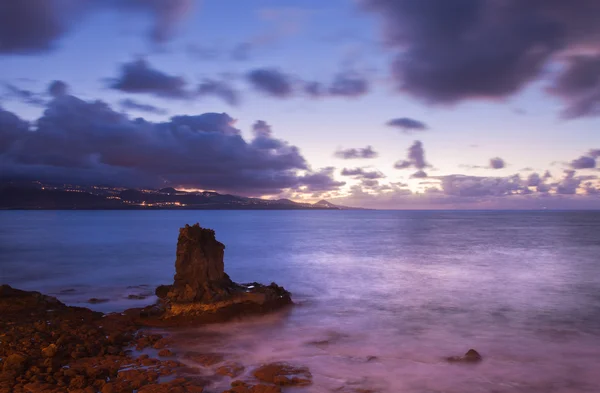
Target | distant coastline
(39,196)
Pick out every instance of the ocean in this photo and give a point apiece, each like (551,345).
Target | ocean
(382,297)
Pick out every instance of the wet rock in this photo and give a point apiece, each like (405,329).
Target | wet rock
(202,292)
(165,353)
(204,359)
(50,351)
(199,267)
(472,356)
(284,374)
(230,370)
(246,388)
(14,363)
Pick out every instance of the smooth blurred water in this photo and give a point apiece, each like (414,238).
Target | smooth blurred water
(407,288)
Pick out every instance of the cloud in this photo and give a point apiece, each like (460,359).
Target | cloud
(320,181)
(167,14)
(219,89)
(583,162)
(579,86)
(139,77)
(345,84)
(476,186)
(416,159)
(361,173)
(34,26)
(595,153)
(534,180)
(497,163)
(58,89)
(569,183)
(26,96)
(349,85)
(140,107)
(356,153)
(271,81)
(407,125)
(89,143)
(419,175)
(447,51)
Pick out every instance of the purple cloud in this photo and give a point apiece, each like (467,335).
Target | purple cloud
(33,26)
(361,173)
(407,125)
(416,159)
(272,82)
(58,89)
(448,51)
(87,142)
(579,86)
(26,96)
(140,107)
(139,77)
(356,153)
(497,163)
(583,162)
(219,89)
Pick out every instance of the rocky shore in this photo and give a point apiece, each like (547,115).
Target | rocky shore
(47,346)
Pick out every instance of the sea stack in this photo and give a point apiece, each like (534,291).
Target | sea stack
(203,292)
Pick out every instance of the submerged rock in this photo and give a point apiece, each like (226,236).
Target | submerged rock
(284,374)
(202,291)
(472,356)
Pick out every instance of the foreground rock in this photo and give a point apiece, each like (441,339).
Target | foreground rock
(202,291)
(283,374)
(472,356)
(46,346)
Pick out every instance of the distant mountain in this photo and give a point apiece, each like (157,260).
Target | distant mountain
(39,196)
(328,205)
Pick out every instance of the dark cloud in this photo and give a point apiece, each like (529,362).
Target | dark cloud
(167,14)
(33,26)
(447,51)
(362,173)
(11,129)
(26,96)
(129,104)
(58,89)
(579,86)
(595,153)
(416,159)
(88,142)
(407,125)
(139,77)
(272,82)
(219,89)
(583,162)
(345,84)
(349,85)
(568,184)
(497,163)
(476,186)
(321,180)
(262,129)
(356,153)
(534,180)
(419,175)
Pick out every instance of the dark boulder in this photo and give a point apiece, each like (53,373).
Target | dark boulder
(202,292)
(472,356)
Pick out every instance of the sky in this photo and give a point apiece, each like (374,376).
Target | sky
(391,104)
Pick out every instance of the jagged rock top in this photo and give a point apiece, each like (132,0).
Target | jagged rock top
(199,267)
